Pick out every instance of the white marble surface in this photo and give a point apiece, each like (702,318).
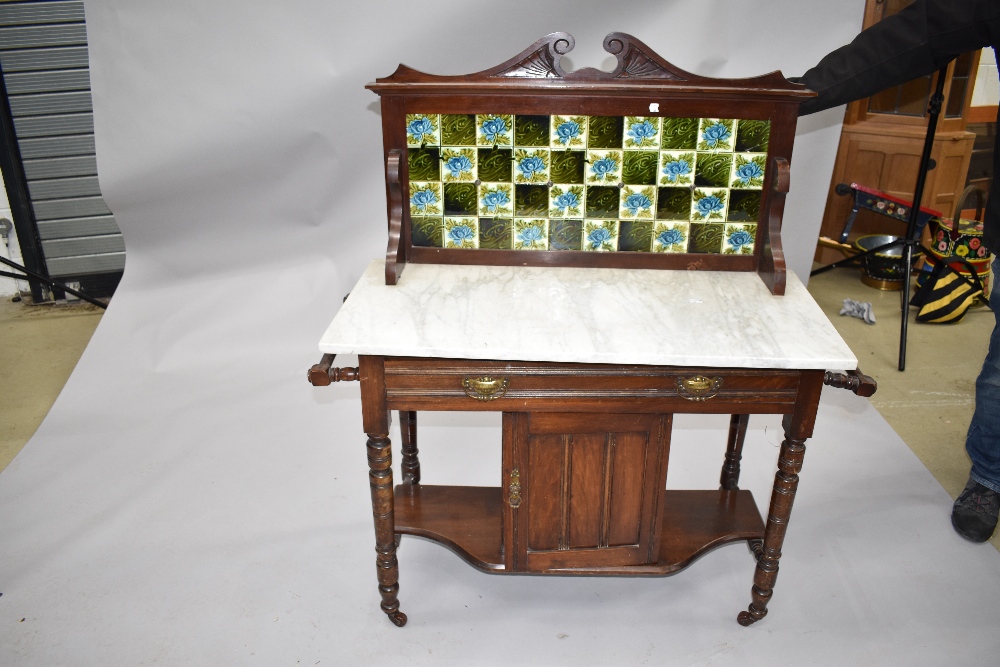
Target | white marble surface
(675,318)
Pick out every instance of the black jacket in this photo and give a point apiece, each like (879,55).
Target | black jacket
(916,41)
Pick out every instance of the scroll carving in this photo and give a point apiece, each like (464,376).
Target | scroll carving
(394,259)
(772,261)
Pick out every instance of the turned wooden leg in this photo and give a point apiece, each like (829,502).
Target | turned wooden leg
(410,466)
(380,479)
(730,479)
(786,481)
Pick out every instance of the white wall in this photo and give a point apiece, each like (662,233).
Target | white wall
(987,87)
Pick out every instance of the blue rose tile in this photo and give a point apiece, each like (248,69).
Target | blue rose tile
(748,171)
(677,168)
(461,233)
(566,201)
(738,239)
(709,205)
(568,132)
(531,165)
(458,165)
(423,129)
(531,234)
(494,129)
(496,200)
(671,236)
(600,235)
(637,202)
(642,132)
(716,134)
(425,198)
(604,167)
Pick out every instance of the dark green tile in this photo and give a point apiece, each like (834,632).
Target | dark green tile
(606,131)
(713,169)
(568,166)
(706,238)
(460,199)
(673,204)
(458,130)
(531,130)
(744,205)
(496,165)
(424,164)
(602,202)
(639,167)
(494,234)
(426,232)
(565,234)
(531,201)
(635,235)
(752,136)
(679,134)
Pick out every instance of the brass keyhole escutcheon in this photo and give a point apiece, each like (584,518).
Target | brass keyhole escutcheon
(485,388)
(514,490)
(698,387)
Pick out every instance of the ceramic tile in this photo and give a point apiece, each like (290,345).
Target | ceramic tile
(495,165)
(495,234)
(458,130)
(637,202)
(531,131)
(461,233)
(748,170)
(673,204)
(715,134)
(531,201)
(494,129)
(565,234)
(635,235)
(744,205)
(424,164)
(739,239)
(641,132)
(677,167)
(602,201)
(600,235)
(713,170)
(709,204)
(604,167)
(670,236)
(460,199)
(568,166)
(531,234)
(568,132)
(752,136)
(425,198)
(705,238)
(605,131)
(679,134)
(496,199)
(458,165)
(566,201)
(639,167)
(422,129)
(426,232)
(531,165)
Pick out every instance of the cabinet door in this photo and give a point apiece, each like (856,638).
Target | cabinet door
(590,489)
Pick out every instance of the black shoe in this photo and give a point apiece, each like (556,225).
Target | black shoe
(975,513)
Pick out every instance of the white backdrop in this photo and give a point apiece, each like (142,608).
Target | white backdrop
(191,500)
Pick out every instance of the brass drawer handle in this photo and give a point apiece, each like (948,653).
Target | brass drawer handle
(485,388)
(699,387)
(514,490)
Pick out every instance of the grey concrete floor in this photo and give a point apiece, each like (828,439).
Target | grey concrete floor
(929,404)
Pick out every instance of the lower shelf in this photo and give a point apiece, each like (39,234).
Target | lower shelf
(468,520)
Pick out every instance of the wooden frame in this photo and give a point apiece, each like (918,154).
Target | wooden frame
(534,82)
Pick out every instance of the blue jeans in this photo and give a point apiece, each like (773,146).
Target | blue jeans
(983,441)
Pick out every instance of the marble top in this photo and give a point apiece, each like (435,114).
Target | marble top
(586,315)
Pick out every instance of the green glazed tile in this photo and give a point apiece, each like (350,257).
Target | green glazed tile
(565,234)
(495,166)
(670,236)
(639,167)
(531,234)
(425,198)
(461,233)
(566,201)
(602,202)
(426,232)
(744,205)
(673,204)
(635,235)
(739,239)
(531,201)
(600,235)
(713,170)
(425,164)
(458,130)
(458,165)
(494,234)
(568,166)
(752,136)
(706,238)
(459,199)
(531,130)
(748,170)
(606,131)
(422,129)
(679,134)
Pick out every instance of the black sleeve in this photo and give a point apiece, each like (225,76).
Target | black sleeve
(916,41)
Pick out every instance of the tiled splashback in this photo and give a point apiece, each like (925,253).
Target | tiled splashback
(599,183)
